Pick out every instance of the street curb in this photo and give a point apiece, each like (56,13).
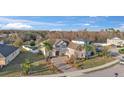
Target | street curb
(81,72)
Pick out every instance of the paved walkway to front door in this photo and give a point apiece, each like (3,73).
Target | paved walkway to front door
(60,63)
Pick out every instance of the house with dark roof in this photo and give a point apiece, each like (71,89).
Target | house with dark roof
(7,54)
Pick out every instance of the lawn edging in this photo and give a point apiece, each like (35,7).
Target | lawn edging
(84,71)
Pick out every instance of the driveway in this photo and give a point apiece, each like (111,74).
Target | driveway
(60,63)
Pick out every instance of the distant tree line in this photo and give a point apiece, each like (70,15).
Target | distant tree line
(39,35)
(97,36)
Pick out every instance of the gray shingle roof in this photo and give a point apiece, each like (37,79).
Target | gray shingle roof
(6,50)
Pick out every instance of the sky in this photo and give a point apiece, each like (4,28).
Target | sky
(62,23)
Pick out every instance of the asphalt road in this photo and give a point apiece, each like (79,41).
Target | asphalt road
(108,72)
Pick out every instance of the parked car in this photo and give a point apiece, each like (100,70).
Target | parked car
(122,60)
(113,54)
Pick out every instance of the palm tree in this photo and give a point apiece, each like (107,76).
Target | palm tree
(105,51)
(48,48)
(88,48)
(26,67)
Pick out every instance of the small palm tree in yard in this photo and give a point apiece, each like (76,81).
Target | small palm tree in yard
(48,48)
(52,68)
(71,60)
(26,67)
(104,52)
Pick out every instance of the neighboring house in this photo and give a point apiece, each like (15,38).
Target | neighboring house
(31,49)
(60,47)
(75,50)
(7,54)
(3,35)
(115,41)
(78,41)
(81,41)
(101,44)
(1,42)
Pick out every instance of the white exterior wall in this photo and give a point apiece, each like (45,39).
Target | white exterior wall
(117,42)
(30,50)
(70,52)
(102,44)
(12,56)
(78,42)
(78,54)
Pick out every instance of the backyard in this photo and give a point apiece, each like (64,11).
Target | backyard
(39,66)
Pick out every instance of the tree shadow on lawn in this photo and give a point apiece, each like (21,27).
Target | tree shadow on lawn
(39,69)
(9,73)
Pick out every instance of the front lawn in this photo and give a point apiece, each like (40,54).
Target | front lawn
(97,61)
(39,66)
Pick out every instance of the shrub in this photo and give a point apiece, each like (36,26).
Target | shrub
(26,67)
(32,43)
(121,51)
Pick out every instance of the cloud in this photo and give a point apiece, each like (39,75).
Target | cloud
(86,24)
(58,29)
(93,16)
(11,20)
(16,26)
(0,25)
(6,20)
(121,26)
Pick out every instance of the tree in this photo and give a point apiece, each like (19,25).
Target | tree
(89,48)
(32,43)
(104,52)
(26,67)
(71,60)
(18,42)
(48,48)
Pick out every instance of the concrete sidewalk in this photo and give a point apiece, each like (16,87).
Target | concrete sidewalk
(60,63)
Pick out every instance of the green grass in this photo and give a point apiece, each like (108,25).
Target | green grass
(39,67)
(84,64)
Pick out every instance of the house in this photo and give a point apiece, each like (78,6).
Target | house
(81,41)
(7,54)
(1,42)
(115,41)
(60,47)
(78,41)
(3,35)
(69,48)
(32,49)
(101,44)
(75,50)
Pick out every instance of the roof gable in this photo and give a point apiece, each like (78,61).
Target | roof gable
(6,50)
(75,46)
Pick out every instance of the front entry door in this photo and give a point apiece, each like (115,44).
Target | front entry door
(57,53)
